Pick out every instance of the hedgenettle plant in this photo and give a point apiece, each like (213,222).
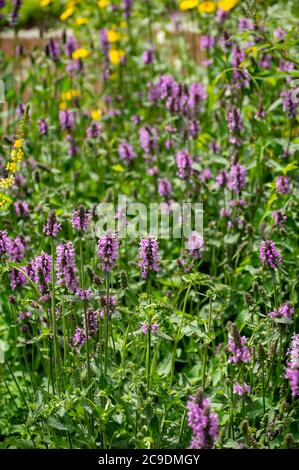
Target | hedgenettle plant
(148,229)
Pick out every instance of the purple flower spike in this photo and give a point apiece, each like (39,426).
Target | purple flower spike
(269,254)
(292,370)
(81,218)
(149,256)
(202,421)
(66,266)
(283,185)
(108,251)
(51,228)
(237,347)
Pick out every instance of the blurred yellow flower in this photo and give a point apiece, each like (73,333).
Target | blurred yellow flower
(7,182)
(206,7)
(18,143)
(11,167)
(103,3)
(227,5)
(62,105)
(113,36)
(115,56)
(80,53)
(69,95)
(96,115)
(188,4)
(45,3)
(123,24)
(81,21)
(67,13)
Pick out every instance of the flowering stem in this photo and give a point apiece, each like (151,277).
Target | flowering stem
(107,321)
(53,313)
(177,338)
(206,348)
(148,359)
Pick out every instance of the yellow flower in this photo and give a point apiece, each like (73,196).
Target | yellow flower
(103,3)
(18,143)
(115,56)
(188,4)
(67,13)
(206,7)
(69,95)
(96,115)
(80,53)
(113,36)
(11,167)
(7,182)
(81,21)
(227,5)
(45,3)
(62,105)
(123,24)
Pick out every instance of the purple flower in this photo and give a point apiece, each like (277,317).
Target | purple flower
(237,347)
(197,94)
(66,119)
(205,174)
(222,179)
(241,389)
(221,15)
(245,23)
(66,266)
(195,245)
(51,227)
(126,152)
(108,305)
(148,139)
(145,328)
(207,42)
(269,255)
(127,7)
(148,56)
(240,73)
(15,11)
(94,130)
(43,271)
(78,339)
(292,370)
(164,187)
(265,61)
(81,218)
(83,294)
(283,185)
(17,279)
(16,249)
(202,421)
(71,45)
(237,178)
(234,120)
(290,104)
(149,256)
(279,33)
(193,128)
(21,208)
(4,242)
(184,163)
(53,49)
(279,216)
(108,251)
(42,127)
(285,310)
(92,322)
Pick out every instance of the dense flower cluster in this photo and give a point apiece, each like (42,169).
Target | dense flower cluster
(203,422)
(292,370)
